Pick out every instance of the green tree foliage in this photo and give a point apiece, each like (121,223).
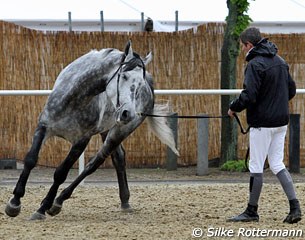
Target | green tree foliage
(236,21)
(242,20)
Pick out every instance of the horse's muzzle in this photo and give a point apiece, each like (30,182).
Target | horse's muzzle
(125,115)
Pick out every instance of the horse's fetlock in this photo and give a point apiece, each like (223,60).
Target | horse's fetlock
(18,192)
(15,201)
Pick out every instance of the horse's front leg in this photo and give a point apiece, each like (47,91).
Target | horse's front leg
(92,165)
(114,138)
(118,160)
(60,175)
(13,207)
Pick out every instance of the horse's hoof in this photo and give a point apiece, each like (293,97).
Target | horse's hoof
(125,207)
(37,216)
(55,209)
(12,210)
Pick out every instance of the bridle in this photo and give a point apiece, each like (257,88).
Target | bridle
(131,64)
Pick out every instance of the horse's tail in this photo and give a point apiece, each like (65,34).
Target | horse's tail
(160,126)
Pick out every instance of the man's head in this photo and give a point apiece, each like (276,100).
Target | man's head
(249,38)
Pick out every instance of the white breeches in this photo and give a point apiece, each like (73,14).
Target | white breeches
(267,142)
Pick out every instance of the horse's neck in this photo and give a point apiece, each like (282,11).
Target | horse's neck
(84,78)
(91,70)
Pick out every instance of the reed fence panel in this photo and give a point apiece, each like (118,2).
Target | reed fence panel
(182,60)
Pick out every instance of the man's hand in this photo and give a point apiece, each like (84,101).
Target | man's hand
(231,113)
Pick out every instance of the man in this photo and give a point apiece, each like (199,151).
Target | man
(268,87)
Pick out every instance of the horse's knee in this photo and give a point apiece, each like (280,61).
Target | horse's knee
(118,160)
(93,164)
(30,160)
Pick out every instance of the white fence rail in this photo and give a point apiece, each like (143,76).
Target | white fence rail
(157,92)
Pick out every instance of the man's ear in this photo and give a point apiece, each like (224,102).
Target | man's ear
(250,44)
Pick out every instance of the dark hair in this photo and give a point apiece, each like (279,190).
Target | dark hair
(252,35)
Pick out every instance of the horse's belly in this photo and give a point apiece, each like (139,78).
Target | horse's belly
(74,127)
(68,129)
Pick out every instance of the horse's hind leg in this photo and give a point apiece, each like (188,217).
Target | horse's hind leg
(13,207)
(60,175)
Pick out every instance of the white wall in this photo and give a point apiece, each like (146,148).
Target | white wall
(136,25)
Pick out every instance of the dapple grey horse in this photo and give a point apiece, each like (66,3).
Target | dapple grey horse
(102,92)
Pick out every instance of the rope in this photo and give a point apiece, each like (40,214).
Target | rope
(206,116)
(198,116)
(181,116)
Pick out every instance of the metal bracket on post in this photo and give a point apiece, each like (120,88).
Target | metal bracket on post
(102,20)
(294,143)
(176,21)
(202,147)
(171,163)
(70,21)
(142,21)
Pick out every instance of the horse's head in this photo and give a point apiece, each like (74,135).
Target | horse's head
(130,87)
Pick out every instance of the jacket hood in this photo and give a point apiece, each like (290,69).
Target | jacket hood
(262,48)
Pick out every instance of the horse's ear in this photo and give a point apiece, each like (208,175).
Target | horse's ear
(148,58)
(128,49)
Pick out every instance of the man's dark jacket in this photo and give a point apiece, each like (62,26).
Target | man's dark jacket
(267,88)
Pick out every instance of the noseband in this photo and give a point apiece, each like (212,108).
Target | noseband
(130,65)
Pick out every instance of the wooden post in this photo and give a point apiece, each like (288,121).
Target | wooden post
(202,147)
(171,163)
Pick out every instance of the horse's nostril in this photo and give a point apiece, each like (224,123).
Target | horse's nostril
(125,115)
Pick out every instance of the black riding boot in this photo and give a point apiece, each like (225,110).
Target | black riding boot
(249,215)
(295,212)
